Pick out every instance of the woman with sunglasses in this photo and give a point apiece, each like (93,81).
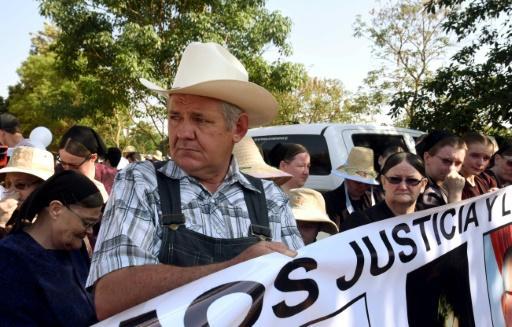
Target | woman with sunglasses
(44,266)
(403,179)
(501,169)
(476,161)
(27,168)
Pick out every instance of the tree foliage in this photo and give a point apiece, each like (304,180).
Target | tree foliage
(45,96)
(407,40)
(319,100)
(475,91)
(115,42)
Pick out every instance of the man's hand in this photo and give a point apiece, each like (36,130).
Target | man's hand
(453,184)
(262,248)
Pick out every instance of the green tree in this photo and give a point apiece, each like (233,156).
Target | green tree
(115,42)
(45,96)
(475,91)
(317,101)
(407,40)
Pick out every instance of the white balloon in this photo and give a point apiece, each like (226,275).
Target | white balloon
(41,136)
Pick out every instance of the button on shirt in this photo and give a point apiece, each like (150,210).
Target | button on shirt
(131,233)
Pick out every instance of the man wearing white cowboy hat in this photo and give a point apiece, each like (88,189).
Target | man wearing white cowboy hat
(168,224)
(352,195)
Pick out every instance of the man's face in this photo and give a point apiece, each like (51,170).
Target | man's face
(199,139)
(503,167)
(356,189)
(308,230)
(439,165)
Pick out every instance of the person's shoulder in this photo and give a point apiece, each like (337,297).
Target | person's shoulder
(272,188)
(139,169)
(488,179)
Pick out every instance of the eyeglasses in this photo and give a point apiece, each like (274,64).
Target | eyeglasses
(83,219)
(448,162)
(395,180)
(70,165)
(19,185)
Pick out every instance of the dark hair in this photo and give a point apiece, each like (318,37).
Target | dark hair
(505,148)
(82,141)
(284,152)
(114,156)
(432,140)
(453,141)
(9,123)
(397,158)
(68,187)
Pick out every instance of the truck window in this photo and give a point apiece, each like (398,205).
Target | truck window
(378,143)
(315,144)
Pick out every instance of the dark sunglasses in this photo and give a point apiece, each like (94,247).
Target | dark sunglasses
(408,181)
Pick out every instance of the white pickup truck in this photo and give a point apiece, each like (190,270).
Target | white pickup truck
(330,143)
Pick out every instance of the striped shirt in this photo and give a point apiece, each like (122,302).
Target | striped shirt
(131,233)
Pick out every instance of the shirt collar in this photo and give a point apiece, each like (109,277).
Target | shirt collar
(172,170)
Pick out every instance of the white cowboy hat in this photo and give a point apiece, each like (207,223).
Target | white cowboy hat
(32,161)
(210,70)
(251,162)
(309,205)
(359,166)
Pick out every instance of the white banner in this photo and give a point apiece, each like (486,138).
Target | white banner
(442,265)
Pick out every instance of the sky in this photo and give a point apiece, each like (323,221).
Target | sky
(321,37)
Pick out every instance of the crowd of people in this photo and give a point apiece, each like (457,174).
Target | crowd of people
(96,230)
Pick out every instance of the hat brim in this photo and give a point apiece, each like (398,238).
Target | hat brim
(357,178)
(316,216)
(41,174)
(259,104)
(278,176)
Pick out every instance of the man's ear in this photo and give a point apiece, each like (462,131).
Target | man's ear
(54,208)
(241,127)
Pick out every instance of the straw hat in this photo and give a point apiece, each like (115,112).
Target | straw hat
(32,161)
(251,162)
(157,155)
(129,149)
(210,70)
(309,205)
(359,166)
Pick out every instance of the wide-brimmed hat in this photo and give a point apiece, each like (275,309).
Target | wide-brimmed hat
(129,149)
(32,161)
(210,70)
(309,205)
(359,166)
(251,162)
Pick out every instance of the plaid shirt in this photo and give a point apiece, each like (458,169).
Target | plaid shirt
(131,233)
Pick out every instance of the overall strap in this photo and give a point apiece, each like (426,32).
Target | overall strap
(257,208)
(170,199)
